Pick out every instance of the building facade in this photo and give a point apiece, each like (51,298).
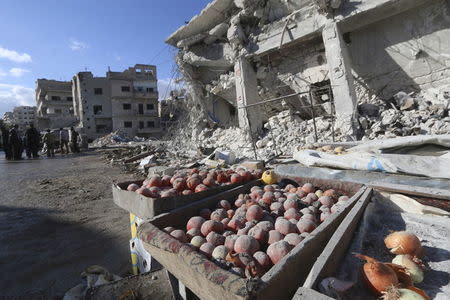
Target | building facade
(54,104)
(125,101)
(22,116)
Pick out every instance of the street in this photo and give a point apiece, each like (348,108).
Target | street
(56,218)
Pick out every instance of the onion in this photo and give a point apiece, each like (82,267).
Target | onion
(411,267)
(403,242)
(378,276)
(410,293)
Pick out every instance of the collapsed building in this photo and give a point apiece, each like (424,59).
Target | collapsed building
(252,63)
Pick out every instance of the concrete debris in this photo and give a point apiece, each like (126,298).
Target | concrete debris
(115,138)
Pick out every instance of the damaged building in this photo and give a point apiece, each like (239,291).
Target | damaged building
(245,61)
(125,101)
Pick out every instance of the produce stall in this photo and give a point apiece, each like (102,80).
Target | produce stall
(288,225)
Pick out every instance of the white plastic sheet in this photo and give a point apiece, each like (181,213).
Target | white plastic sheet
(377,146)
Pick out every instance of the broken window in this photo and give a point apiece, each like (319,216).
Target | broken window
(141,108)
(97,109)
(126,106)
(125,88)
(69,98)
(98,91)
(150,124)
(56,98)
(141,124)
(150,106)
(128,124)
(149,90)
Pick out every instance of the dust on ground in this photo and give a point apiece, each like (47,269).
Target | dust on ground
(56,218)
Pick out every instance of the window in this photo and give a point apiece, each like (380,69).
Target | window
(150,106)
(58,111)
(125,88)
(56,98)
(98,91)
(149,90)
(141,124)
(141,108)
(69,98)
(140,88)
(97,109)
(126,106)
(128,124)
(150,124)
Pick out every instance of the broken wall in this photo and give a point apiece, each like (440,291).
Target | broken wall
(407,52)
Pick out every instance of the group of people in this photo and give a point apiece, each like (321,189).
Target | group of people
(14,144)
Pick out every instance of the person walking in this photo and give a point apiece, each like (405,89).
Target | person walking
(5,141)
(33,138)
(49,141)
(73,138)
(15,143)
(63,140)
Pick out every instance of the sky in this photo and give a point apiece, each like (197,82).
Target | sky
(55,39)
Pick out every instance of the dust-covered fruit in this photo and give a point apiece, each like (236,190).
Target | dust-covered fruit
(308,188)
(207,249)
(165,181)
(235,178)
(193,182)
(195,222)
(326,201)
(179,235)
(239,202)
(235,224)
(290,203)
(230,241)
(209,182)
(193,232)
(220,252)
(276,206)
(266,225)
(284,227)
(254,212)
(219,214)
(155,181)
(211,225)
(225,204)
(179,184)
(274,236)
(259,234)
(197,241)
(292,213)
(306,225)
(246,244)
(293,239)
(187,192)
(278,250)
(144,192)
(263,259)
(132,187)
(268,197)
(330,193)
(205,213)
(215,238)
(201,188)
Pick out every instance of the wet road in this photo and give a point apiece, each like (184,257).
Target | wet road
(56,218)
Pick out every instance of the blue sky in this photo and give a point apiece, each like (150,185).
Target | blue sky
(54,39)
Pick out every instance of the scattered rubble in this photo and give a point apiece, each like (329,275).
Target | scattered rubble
(115,138)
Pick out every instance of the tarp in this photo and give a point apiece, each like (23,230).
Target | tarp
(431,166)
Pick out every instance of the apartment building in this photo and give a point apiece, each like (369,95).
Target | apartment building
(24,116)
(54,104)
(125,101)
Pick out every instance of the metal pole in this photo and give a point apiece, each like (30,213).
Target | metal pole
(251,133)
(333,113)
(313,114)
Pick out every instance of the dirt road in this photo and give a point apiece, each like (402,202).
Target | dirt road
(56,218)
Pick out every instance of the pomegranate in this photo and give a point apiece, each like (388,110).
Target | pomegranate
(211,225)
(195,222)
(246,244)
(274,236)
(215,239)
(179,235)
(278,250)
(284,227)
(132,187)
(207,249)
(254,212)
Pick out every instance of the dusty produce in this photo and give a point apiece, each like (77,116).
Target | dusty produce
(260,228)
(412,268)
(403,242)
(186,183)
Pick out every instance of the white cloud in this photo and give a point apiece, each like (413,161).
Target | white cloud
(14,55)
(77,45)
(15,95)
(18,72)
(162,88)
(2,73)
(117,57)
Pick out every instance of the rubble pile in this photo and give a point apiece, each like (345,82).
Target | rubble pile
(115,138)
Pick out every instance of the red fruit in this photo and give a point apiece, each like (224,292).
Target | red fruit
(269,188)
(308,188)
(230,213)
(324,216)
(274,236)
(305,225)
(227,233)
(209,181)
(263,259)
(225,204)
(308,217)
(257,194)
(276,206)
(235,178)
(195,222)
(239,202)
(168,193)
(193,182)
(250,202)
(155,191)
(219,214)
(155,180)
(278,250)
(331,193)
(289,187)
(193,232)
(268,197)
(246,244)
(179,184)
(310,198)
(300,193)
(240,213)
(265,225)
(179,235)
(246,229)
(225,222)
(326,201)
(211,225)
(215,239)
(255,188)
(144,192)
(292,213)
(205,213)
(132,187)
(222,178)
(293,190)
(230,241)
(187,192)
(165,181)
(201,188)
(207,249)
(254,212)
(174,177)
(293,239)
(290,203)
(194,171)
(259,234)
(235,224)
(284,227)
